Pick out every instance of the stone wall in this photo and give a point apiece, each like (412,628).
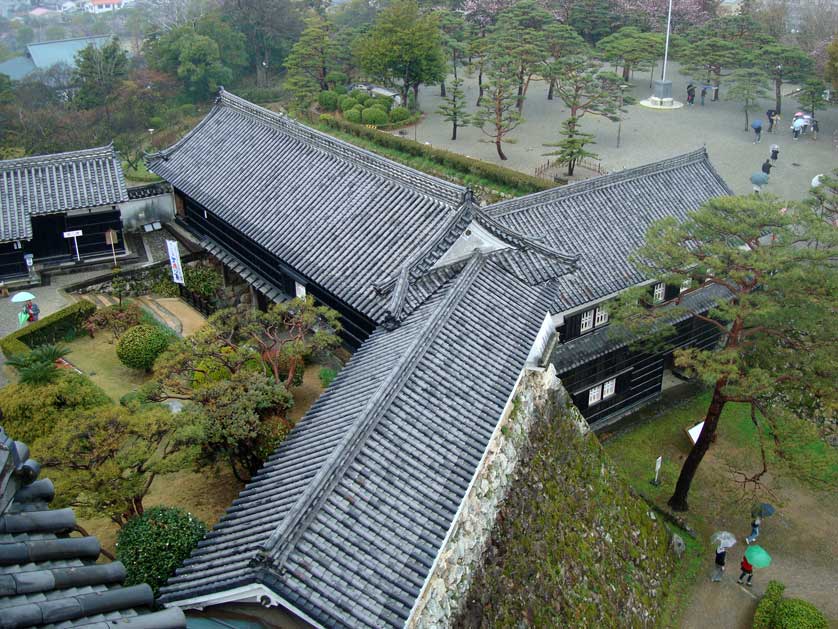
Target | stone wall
(539,396)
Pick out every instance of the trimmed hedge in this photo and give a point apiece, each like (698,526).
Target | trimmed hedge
(140,346)
(328,100)
(399,114)
(346,103)
(776,612)
(153,544)
(353,116)
(51,329)
(466,165)
(767,606)
(374,115)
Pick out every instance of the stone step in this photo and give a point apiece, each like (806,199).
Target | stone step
(162,314)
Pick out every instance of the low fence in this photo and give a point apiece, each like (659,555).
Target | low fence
(593,165)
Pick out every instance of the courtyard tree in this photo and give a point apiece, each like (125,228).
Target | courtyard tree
(781,292)
(784,63)
(562,41)
(453,108)
(586,89)
(311,60)
(520,35)
(708,58)
(455,39)
(403,47)
(747,86)
(811,96)
(98,74)
(630,48)
(193,58)
(497,114)
(107,458)
(571,148)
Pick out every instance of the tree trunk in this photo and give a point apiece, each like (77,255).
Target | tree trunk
(479,86)
(678,501)
(626,70)
(500,150)
(442,88)
(570,166)
(454,131)
(746,119)
(520,101)
(652,75)
(551,89)
(778,96)
(416,96)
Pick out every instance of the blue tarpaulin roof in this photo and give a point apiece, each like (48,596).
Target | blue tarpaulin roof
(17,67)
(47,54)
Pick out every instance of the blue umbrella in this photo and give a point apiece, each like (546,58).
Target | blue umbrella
(762,510)
(759,179)
(756,124)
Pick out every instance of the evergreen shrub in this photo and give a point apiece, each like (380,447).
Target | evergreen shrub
(359,94)
(328,101)
(347,102)
(140,346)
(767,606)
(353,115)
(153,544)
(50,329)
(399,114)
(794,613)
(374,115)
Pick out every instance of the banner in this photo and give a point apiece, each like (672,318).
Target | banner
(174,261)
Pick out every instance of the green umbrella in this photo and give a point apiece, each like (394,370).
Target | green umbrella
(757,557)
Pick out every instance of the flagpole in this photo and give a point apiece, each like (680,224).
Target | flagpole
(666,46)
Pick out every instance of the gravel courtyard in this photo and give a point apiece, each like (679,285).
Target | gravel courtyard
(649,135)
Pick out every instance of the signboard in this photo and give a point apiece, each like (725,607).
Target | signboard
(74,235)
(174,261)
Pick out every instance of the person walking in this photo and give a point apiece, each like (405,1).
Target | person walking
(747,572)
(755,524)
(756,125)
(721,554)
(775,153)
(767,166)
(771,120)
(690,94)
(32,311)
(815,129)
(703,95)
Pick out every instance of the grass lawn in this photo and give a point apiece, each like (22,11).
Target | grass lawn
(798,536)
(96,357)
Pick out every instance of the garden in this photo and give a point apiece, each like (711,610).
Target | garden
(800,481)
(141,429)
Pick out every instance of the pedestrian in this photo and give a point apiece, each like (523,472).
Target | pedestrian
(815,129)
(32,311)
(767,166)
(775,153)
(703,94)
(690,94)
(755,524)
(747,571)
(756,125)
(721,553)
(771,121)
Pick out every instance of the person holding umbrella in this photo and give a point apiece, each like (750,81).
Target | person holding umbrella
(756,125)
(755,557)
(747,571)
(759,180)
(30,308)
(797,127)
(724,540)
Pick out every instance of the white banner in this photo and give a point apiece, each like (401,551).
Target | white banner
(174,261)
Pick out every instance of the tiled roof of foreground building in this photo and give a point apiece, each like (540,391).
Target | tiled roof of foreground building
(605,219)
(338,214)
(348,515)
(48,578)
(46,184)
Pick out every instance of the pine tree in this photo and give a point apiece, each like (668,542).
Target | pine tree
(777,325)
(811,96)
(746,86)
(497,114)
(572,147)
(453,109)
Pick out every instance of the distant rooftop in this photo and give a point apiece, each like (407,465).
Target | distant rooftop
(44,55)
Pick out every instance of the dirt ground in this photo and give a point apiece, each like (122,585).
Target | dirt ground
(801,540)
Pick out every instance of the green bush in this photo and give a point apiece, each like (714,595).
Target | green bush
(346,103)
(767,606)
(328,100)
(203,280)
(140,346)
(466,165)
(327,376)
(353,115)
(153,544)
(50,329)
(31,411)
(385,102)
(340,90)
(399,114)
(359,94)
(374,115)
(156,122)
(794,613)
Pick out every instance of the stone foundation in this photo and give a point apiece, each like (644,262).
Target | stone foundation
(539,395)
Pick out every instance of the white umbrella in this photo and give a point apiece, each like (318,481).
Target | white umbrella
(723,539)
(22,296)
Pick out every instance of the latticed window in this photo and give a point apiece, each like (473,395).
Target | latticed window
(659,291)
(587,320)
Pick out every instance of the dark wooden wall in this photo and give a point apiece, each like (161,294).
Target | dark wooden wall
(356,326)
(11,260)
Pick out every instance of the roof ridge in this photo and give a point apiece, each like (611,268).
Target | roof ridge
(106,150)
(275,551)
(524,242)
(503,208)
(423,183)
(66,39)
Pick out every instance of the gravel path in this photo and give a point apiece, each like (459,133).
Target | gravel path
(649,135)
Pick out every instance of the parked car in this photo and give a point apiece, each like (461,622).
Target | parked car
(377,90)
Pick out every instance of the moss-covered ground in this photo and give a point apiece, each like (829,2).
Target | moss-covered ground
(801,480)
(573,546)
(97,358)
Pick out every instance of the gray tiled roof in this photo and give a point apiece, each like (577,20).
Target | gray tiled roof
(48,578)
(583,349)
(46,184)
(605,219)
(347,517)
(339,215)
